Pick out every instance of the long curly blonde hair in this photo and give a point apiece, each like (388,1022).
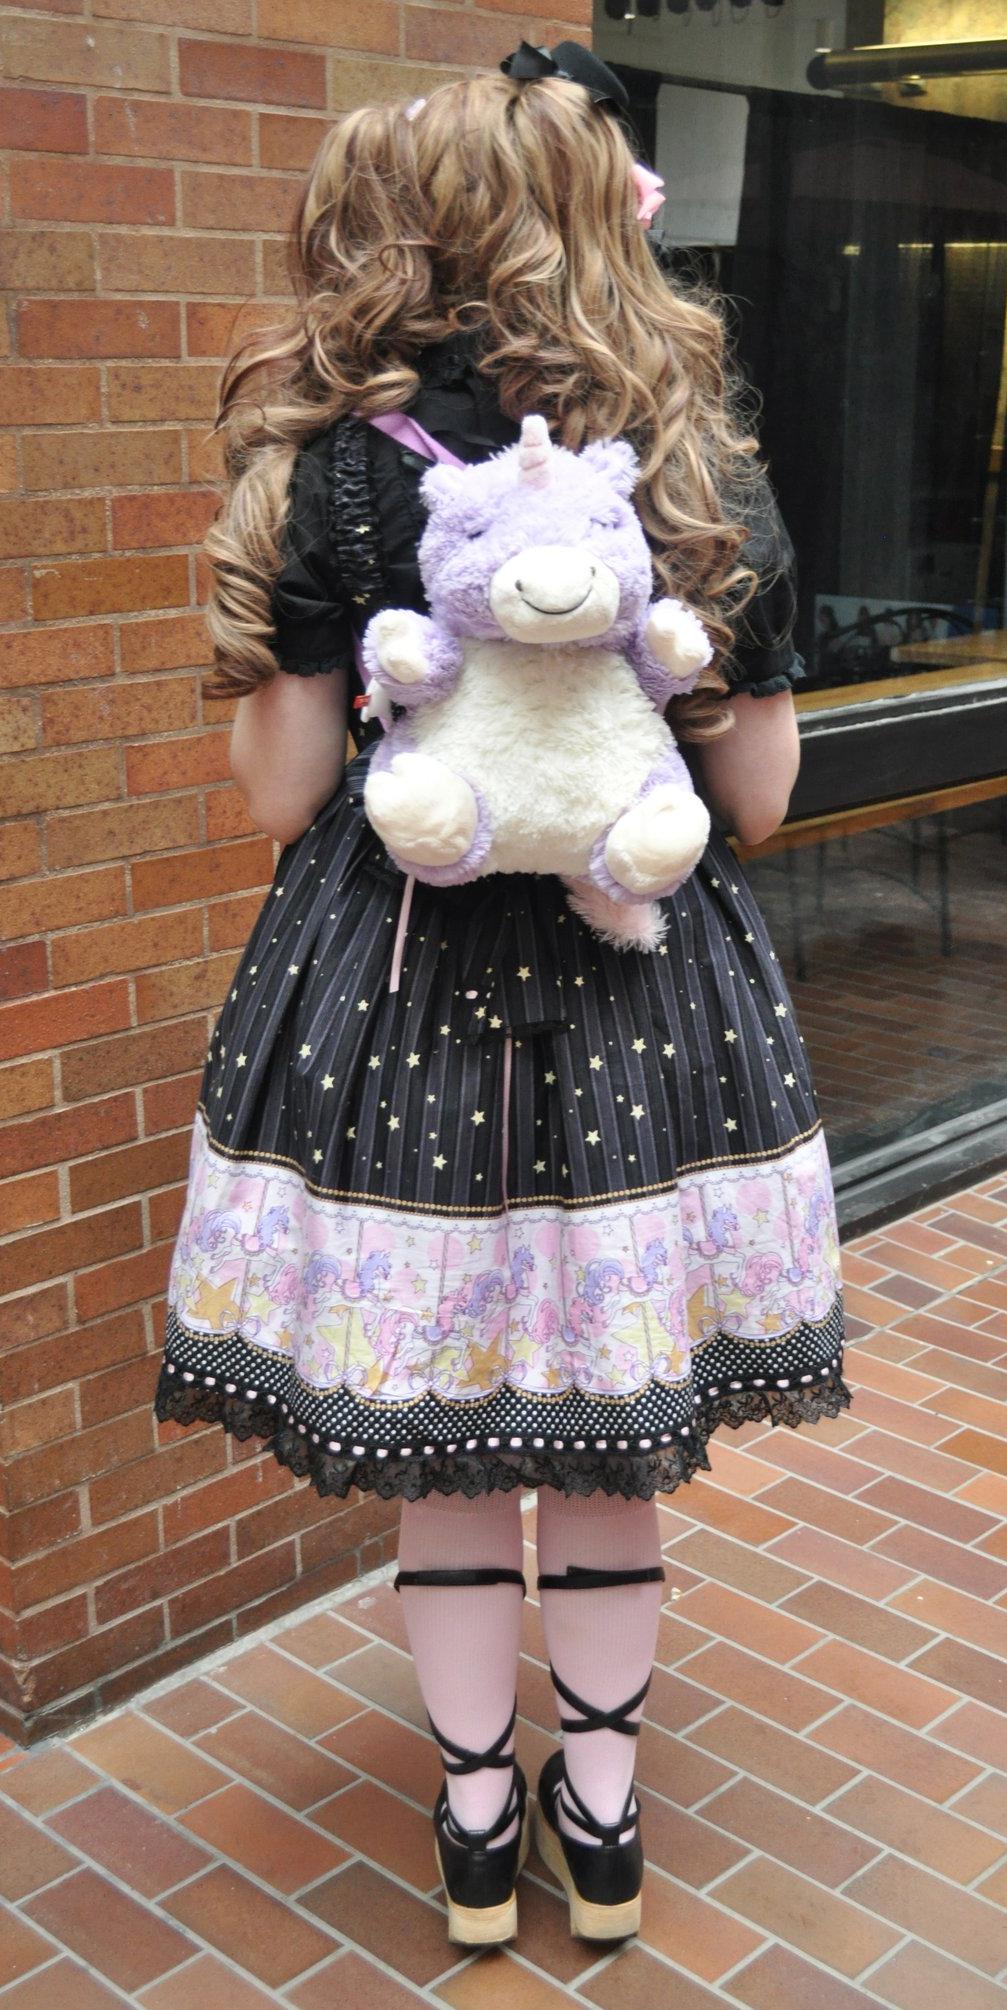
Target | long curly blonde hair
(509,207)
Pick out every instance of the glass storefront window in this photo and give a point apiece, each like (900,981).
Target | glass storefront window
(856,222)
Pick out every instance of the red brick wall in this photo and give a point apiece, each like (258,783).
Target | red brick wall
(153,149)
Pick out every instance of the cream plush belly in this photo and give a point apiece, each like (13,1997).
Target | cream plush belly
(557,742)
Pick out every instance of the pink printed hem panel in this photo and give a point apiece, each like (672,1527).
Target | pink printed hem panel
(604,1300)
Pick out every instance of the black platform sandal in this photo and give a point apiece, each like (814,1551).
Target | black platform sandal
(602,1881)
(479,1878)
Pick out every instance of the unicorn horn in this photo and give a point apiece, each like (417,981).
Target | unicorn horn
(534,452)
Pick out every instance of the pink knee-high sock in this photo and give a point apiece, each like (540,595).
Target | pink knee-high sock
(466,1638)
(601,1640)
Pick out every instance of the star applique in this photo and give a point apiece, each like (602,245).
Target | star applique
(412,1060)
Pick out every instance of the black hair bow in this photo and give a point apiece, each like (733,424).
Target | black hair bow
(572,61)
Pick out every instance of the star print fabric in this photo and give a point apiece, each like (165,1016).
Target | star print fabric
(346,1279)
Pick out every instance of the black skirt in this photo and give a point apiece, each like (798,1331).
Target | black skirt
(548,1213)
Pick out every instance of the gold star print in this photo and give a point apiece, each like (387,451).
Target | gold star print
(549,1077)
(305,1051)
(393,1123)
(595,1061)
(788,1081)
(487,1364)
(477,1117)
(729,1124)
(240,1062)
(440,1161)
(730,1035)
(668,1050)
(328,1081)
(412,1060)
(293,969)
(593,1138)
(780,1010)
(375,1061)
(475,1244)
(637,1111)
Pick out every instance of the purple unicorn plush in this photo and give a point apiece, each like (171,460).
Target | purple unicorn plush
(533,736)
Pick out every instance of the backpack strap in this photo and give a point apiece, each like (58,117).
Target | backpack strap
(409,433)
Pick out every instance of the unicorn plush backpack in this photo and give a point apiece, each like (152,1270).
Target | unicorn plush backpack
(532,736)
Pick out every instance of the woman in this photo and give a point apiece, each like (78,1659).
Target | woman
(353,1278)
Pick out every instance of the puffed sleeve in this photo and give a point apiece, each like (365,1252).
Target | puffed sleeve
(313,632)
(764,659)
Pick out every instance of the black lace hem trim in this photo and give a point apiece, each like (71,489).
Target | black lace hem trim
(635,1476)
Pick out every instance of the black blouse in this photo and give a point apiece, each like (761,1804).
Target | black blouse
(349,544)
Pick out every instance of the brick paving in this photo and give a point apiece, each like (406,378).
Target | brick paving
(823,1764)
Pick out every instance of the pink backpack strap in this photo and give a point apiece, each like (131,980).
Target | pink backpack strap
(399,426)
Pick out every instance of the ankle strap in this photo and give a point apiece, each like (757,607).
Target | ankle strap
(473,1574)
(599,1720)
(473,1762)
(578,1577)
(606,1832)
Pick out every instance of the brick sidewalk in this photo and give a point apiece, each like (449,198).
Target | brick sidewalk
(824,1821)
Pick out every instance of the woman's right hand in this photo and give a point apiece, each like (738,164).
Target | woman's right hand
(288,749)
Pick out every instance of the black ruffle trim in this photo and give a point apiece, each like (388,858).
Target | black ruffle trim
(353,518)
(636,1476)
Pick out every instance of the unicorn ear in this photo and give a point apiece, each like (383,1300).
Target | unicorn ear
(615,461)
(441,484)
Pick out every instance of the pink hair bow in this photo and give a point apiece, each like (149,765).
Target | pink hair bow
(650,192)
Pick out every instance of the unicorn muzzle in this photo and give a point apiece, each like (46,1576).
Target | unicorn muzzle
(554,593)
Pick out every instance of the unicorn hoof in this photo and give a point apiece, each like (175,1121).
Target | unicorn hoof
(397,636)
(652,847)
(423,812)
